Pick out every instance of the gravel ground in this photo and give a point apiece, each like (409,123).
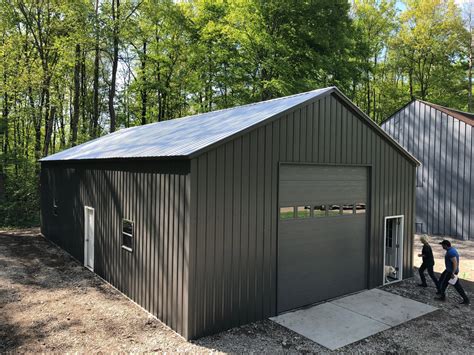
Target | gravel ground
(49,302)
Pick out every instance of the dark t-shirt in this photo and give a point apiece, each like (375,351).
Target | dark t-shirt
(428,258)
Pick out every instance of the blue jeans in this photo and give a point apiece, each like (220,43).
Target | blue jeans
(444,282)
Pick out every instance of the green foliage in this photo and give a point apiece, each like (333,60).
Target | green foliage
(182,57)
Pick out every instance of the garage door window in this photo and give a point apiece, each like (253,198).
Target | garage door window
(287,213)
(348,209)
(360,207)
(322,210)
(334,210)
(303,211)
(319,211)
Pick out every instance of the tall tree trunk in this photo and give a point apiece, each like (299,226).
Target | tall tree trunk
(367,88)
(410,80)
(83,95)
(3,136)
(49,124)
(115,41)
(77,88)
(95,109)
(143,91)
(61,128)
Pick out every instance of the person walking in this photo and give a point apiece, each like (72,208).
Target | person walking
(451,260)
(427,264)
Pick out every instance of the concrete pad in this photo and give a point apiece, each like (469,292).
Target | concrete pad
(384,307)
(330,325)
(352,318)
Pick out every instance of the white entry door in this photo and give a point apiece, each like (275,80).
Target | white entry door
(89,237)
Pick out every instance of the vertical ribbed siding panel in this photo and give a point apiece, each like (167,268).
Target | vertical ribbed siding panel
(275,154)
(161,250)
(456,170)
(469,183)
(244,230)
(237,262)
(219,263)
(259,267)
(252,225)
(460,179)
(267,217)
(443,145)
(228,259)
(209,252)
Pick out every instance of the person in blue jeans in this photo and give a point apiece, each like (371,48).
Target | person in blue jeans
(451,260)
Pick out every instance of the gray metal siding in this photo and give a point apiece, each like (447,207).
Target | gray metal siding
(156,197)
(241,286)
(445,180)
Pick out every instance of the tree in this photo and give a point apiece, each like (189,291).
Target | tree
(430,37)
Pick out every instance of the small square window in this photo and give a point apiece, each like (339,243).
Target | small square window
(348,209)
(287,213)
(127,234)
(303,211)
(334,210)
(360,207)
(319,211)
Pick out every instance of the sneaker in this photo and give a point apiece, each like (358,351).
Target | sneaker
(422,285)
(440,298)
(466,302)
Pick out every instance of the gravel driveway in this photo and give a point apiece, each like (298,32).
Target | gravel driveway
(49,302)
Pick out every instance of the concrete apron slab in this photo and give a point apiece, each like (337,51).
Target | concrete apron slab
(349,319)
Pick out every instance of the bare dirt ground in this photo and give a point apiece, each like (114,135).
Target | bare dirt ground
(51,303)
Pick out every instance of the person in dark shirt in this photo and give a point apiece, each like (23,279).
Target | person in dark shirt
(451,260)
(428,263)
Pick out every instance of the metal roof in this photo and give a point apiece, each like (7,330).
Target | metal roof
(466,117)
(184,136)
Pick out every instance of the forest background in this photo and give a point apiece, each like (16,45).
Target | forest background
(74,70)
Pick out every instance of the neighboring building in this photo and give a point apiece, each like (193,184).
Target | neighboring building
(219,219)
(442,140)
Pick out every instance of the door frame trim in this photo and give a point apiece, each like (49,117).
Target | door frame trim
(400,249)
(86,244)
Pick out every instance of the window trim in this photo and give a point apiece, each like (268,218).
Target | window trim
(131,236)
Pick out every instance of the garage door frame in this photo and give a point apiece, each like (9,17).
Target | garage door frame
(370,197)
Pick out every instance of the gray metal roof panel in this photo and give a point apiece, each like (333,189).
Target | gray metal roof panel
(182,136)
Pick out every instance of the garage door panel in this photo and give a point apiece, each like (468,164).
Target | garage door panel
(321,257)
(293,192)
(322,262)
